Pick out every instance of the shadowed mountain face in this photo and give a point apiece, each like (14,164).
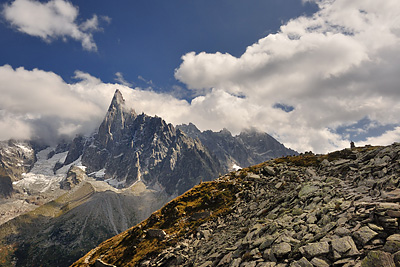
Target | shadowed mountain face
(248,148)
(15,158)
(128,148)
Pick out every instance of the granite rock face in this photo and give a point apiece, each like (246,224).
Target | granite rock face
(129,147)
(248,148)
(16,158)
(340,209)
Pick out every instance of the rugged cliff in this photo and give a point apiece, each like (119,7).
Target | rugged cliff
(339,209)
(128,148)
(16,158)
(248,148)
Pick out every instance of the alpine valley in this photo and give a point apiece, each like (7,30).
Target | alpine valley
(58,203)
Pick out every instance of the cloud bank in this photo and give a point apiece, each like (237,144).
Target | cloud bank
(52,20)
(334,68)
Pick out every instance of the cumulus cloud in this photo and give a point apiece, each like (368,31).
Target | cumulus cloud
(34,102)
(52,20)
(334,68)
(40,105)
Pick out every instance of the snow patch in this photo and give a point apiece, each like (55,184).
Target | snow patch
(25,149)
(115,183)
(99,174)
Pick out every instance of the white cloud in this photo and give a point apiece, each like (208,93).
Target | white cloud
(119,77)
(335,68)
(387,138)
(39,104)
(52,20)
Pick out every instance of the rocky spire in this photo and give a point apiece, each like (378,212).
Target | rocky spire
(115,120)
(117,101)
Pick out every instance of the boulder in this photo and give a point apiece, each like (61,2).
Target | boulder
(281,249)
(378,258)
(364,235)
(392,244)
(315,249)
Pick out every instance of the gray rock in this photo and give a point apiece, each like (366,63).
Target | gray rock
(341,231)
(266,264)
(364,235)
(378,259)
(307,190)
(281,249)
(267,241)
(315,249)
(156,233)
(392,244)
(344,247)
(317,262)
(303,262)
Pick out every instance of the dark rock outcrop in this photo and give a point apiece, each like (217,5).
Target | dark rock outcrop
(248,148)
(16,158)
(128,148)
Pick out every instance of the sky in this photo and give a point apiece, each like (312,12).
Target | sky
(315,74)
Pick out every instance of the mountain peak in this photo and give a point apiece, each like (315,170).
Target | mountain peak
(118,99)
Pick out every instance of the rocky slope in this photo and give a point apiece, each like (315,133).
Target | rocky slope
(61,231)
(248,148)
(340,209)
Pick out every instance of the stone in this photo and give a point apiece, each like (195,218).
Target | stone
(392,196)
(266,264)
(268,240)
(206,264)
(396,258)
(317,262)
(307,190)
(279,185)
(200,215)
(249,264)
(364,235)
(156,233)
(226,259)
(281,249)
(297,211)
(378,259)
(269,170)
(236,262)
(341,231)
(100,263)
(343,247)
(315,249)
(392,244)
(303,262)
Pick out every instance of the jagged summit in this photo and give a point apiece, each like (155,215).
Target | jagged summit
(248,148)
(129,148)
(117,100)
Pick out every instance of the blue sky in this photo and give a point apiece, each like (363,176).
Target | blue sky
(147,38)
(313,73)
